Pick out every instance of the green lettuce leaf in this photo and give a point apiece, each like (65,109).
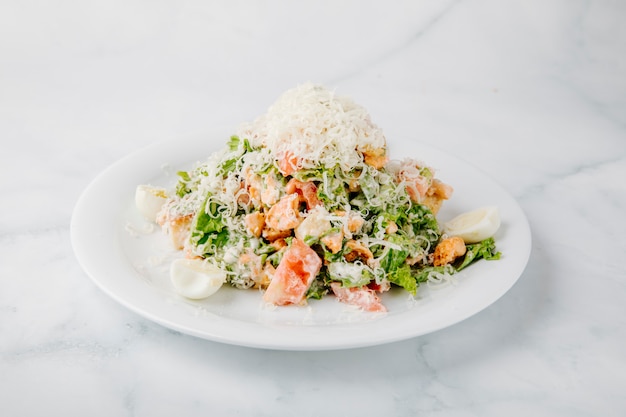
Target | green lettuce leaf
(208,228)
(403,277)
(318,289)
(485,249)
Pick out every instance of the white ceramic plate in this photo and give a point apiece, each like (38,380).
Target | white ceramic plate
(130,262)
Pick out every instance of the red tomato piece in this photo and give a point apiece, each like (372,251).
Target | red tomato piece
(288,163)
(362,297)
(296,271)
(306,190)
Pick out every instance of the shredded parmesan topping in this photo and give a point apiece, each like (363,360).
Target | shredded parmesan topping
(317,126)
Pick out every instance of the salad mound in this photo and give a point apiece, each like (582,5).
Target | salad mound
(304,202)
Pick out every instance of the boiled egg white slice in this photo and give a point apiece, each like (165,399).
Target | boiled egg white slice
(475,225)
(195,278)
(149,200)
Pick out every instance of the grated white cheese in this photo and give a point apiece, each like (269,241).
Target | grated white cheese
(317,126)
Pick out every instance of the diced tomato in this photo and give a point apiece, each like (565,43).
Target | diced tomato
(383,286)
(306,190)
(296,271)
(288,164)
(362,297)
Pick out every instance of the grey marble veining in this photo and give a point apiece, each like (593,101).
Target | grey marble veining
(532,93)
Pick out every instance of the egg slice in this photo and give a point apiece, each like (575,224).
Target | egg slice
(149,200)
(195,278)
(475,225)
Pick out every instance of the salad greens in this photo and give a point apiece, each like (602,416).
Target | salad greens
(304,202)
(382,236)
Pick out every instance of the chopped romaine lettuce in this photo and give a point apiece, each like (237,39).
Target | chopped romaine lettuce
(208,229)
(485,249)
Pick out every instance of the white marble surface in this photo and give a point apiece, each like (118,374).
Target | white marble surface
(533,92)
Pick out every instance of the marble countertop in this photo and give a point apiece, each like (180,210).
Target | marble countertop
(533,93)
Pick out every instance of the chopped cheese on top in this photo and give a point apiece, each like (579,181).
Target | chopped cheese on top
(318,127)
